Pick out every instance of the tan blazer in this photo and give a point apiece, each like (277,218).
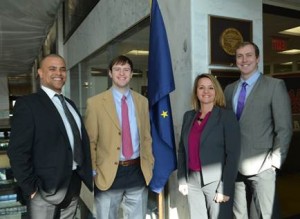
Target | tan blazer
(104,131)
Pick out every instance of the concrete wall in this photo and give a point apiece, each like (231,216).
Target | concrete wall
(108,19)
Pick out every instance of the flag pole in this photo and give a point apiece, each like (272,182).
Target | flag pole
(161,205)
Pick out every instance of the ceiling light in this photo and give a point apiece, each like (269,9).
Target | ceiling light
(99,71)
(290,52)
(286,63)
(138,52)
(293,31)
(137,72)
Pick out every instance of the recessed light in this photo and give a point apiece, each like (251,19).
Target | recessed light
(138,52)
(290,52)
(286,63)
(293,31)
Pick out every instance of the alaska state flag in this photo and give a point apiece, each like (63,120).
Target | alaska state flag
(160,84)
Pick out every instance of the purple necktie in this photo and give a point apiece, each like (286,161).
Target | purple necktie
(241,101)
(126,136)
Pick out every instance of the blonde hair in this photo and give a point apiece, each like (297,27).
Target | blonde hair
(219,99)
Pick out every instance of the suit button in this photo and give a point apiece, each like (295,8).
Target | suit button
(116,163)
(119,133)
(118,148)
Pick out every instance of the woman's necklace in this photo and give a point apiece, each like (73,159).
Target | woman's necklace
(200,119)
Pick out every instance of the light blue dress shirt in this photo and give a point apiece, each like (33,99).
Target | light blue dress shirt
(251,82)
(132,119)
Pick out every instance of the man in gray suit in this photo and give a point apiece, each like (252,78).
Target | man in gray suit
(266,130)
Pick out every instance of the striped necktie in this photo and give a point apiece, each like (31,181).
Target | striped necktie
(76,134)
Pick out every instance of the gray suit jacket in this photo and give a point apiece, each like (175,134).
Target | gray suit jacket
(219,149)
(266,125)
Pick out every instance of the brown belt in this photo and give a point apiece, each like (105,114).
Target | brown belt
(130,162)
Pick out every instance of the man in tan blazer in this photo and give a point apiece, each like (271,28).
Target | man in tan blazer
(119,177)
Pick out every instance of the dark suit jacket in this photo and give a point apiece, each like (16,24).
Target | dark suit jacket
(39,149)
(266,125)
(219,149)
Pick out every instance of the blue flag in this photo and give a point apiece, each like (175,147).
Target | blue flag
(160,84)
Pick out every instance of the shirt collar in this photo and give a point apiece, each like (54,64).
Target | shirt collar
(49,92)
(250,81)
(119,95)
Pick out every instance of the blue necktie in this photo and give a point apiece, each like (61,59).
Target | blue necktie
(241,101)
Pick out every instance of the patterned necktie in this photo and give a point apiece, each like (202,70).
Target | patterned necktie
(76,134)
(127,149)
(241,101)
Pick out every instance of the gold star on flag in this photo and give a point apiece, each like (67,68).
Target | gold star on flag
(164,114)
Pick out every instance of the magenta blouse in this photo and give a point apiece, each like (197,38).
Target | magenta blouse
(194,140)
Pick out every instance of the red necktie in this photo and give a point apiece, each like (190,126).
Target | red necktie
(126,136)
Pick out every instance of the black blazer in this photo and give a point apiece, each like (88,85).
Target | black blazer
(39,149)
(219,149)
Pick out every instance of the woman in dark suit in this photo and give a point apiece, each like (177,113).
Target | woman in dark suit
(208,152)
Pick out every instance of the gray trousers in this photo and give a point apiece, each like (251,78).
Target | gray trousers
(200,199)
(255,196)
(126,198)
(131,202)
(39,208)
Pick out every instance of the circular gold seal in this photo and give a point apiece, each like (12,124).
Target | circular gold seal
(230,39)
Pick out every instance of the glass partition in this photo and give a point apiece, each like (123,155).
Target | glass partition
(93,70)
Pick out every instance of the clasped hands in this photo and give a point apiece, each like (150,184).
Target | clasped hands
(219,198)
(183,189)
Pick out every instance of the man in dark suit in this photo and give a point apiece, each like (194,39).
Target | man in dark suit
(266,131)
(42,145)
